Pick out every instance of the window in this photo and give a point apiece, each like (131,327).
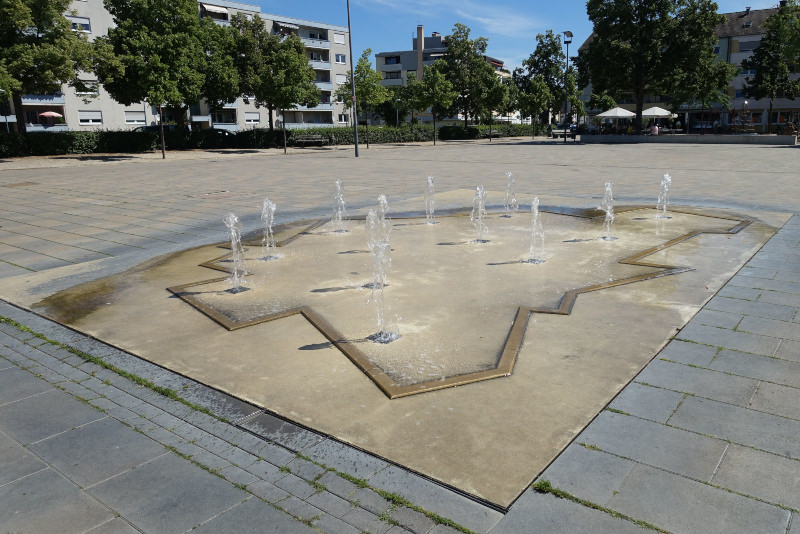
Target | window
(391,60)
(739,93)
(135,117)
(214,12)
(394,75)
(341,79)
(318,35)
(341,58)
(91,88)
(748,46)
(716,50)
(90,117)
(344,117)
(252,117)
(80,24)
(338,38)
(224,116)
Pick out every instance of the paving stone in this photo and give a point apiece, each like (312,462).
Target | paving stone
(97,451)
(770,327)
(411,520)
(720,319)
(661,446)
(759,367)
(795,524)
(265,470)
(330,503)
(210,460)
(787,275)
(760,308)
(655,496)
(214,444)
(55,411)
(55,351)
(115,526)
(688,353)
(777,400)
(588,474)
(296,486)
(345,459)
(267,491)
(789,350)
(761,283)
(434,498)
(253,516)
(77,390)
(369,500)
(743,293)
(784,299)
(237,475)
(746,342)
(536,512)
(47,502)
(218,403)
(332,525)
(701,382)
(282,432)
(167,495)
(739,425)
(16,384)
(305,469)
(397,530)
(758,272)
(769,477)
(365,521)
(338,485)
(240,458)
(647,402)
(16,461)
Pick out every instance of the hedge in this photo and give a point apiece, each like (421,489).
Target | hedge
(128,141)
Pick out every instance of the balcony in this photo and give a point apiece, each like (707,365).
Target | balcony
(320,107)
(324,86)
(56,99)
(200,118)
(392,82)
(225,126)
(320,65)
(47,127)
(316,43)
(304,125)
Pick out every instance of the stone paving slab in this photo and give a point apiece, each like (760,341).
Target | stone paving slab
(696,381)
(766,476)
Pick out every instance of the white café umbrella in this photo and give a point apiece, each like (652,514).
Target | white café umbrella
(656,113)
(617,114)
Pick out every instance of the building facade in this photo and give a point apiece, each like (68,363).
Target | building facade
(327,46)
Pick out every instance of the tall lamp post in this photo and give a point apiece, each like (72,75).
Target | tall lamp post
(567,41)
(352,80)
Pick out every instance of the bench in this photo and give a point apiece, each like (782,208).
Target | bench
(303,140)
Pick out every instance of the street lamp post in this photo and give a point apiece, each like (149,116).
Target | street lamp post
(352,80)
(567,41)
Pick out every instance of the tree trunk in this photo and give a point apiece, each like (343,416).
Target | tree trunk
(283,129)
(769,117)
(161,127)
(367,128)
(637,123)
(490,127)
(434,129)
(21,126)
(270,108)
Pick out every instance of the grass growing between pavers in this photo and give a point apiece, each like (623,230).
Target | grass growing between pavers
(544,486)
(394,499)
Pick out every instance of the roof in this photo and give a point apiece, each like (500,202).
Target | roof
(744,23)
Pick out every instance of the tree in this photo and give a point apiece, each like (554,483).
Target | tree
(644,47)
(602,101)
(467,70)
(288,80)
(491,99)
(153,54)
(254,51)
(535,99)
(511,102)
(435,92)
(221,78)
(547,64)
(369,91)
(771,60)
(395,108)
(39,52)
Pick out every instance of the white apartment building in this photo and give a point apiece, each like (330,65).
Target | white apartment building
(327,46)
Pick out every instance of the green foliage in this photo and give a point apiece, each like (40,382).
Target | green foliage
(435,92)
(38,50)
(468,72)
(647,47)
(771,59)
(542,74)
(602,101)
(369,91)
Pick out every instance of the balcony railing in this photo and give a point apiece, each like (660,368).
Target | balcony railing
(390,67)
(320,65)
(47,127)
(389,82)
(324,86)
(304,125)
(55,99)
(316,43)
(324,106)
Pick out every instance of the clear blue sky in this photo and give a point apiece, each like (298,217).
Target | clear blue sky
(510,25)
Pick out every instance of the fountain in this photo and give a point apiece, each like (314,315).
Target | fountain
(268,241)
(510,203)
(479,214)
(430,202)
(339,210)
(663,197)
(378,229)
(238,267)
(536,254)
(608,207)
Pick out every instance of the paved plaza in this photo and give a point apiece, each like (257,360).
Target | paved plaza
(706,438)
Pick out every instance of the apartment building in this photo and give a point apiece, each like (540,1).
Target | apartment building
(327,46)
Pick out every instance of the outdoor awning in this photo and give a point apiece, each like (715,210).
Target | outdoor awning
(215,9)
(657,112)
(288,25)
(617,113)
